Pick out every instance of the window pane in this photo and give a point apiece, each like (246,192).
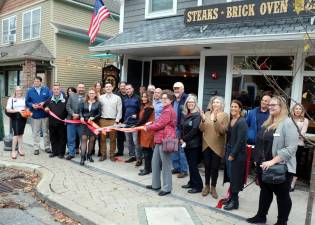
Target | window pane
(35,30)
(310,63)
(36,16)
(27,19)
(263,62)
(12,81)
(12,23)
(158,5)
(5,25)
(250,89)
(26,32)
(308,101)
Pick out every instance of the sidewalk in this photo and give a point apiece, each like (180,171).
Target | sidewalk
(113,193)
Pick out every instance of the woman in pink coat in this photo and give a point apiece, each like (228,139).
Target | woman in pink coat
(164,127)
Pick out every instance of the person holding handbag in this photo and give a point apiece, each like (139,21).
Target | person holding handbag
(14,109)
(276,145)
(191,142)
(164,131)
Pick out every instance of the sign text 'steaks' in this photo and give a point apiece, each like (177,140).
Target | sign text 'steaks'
(245,10)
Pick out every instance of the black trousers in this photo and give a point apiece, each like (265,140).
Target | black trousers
(282,192)
(147,153)
(192,155)
(120,139)
(58,138)
(212,164)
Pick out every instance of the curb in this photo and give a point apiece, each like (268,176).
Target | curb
(44,187)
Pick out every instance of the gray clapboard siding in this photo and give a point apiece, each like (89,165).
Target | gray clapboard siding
(134,14)
(211,2)
(214,64)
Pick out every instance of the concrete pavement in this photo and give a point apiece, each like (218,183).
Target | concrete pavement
(113,193)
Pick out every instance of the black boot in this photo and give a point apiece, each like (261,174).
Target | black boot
(89,157)
(232,205)
(257,219)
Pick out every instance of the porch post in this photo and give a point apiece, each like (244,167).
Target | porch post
(228,83)
(297,83)
(201,79)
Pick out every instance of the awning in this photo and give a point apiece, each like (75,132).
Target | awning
(101,56)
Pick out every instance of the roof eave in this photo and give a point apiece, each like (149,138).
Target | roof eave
(212,40)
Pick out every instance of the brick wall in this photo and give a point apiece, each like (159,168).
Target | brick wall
(11,5)
(29,72)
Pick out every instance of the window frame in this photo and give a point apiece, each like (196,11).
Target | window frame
(31,24)
(9,30)
(161,13)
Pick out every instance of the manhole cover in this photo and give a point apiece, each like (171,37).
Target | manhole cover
(9,182)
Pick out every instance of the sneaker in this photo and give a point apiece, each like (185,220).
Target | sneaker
(118,154)
(138,163)
(182,175)
(36,152)
(131,159)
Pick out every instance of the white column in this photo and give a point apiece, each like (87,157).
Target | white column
(121,16)
(124,68)
(201,78)
(297,84)
(228,83)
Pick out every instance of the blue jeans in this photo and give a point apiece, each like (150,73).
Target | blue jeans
(179,161)
(72,131)
(133,145)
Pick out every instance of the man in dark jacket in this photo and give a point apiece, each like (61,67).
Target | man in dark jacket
(73,109)
(255,119)
(35,98)
(57,129)
(132,107)
(178,158)
(121,135)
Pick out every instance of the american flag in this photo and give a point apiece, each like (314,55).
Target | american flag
(100,13)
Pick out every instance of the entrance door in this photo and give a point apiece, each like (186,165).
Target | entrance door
(2,89)
(166,72)
(134,75)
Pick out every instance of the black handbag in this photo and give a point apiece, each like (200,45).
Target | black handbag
(275,174)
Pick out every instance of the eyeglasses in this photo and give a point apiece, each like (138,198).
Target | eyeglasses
(272,105)
(191,102)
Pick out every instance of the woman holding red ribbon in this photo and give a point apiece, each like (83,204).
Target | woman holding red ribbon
(15,108)
(146,115)
(90,111)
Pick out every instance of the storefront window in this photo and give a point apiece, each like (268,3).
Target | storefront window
(166,72)
(12,81)
(263,62)
(249,89)
(159,5)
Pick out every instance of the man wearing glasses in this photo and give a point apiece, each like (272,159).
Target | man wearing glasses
(255,119)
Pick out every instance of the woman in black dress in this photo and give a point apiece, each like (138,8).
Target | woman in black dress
(235,157)
(15,108)
(90,110)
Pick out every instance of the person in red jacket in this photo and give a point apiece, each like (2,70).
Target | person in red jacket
(165,126)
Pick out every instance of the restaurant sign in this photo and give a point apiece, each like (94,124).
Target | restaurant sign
(247,11)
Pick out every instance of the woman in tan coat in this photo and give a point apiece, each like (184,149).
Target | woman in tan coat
(213,126)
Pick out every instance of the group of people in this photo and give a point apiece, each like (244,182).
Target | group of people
(206,137)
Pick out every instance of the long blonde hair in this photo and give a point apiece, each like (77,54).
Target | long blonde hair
(13,94)
(271,123)
(196,109)
(302,117)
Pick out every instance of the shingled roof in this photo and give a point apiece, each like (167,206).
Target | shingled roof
(159,31)
(112,5)
(35,50)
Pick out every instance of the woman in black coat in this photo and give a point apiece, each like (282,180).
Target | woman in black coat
(235,157)
(191,139)
(90,110)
